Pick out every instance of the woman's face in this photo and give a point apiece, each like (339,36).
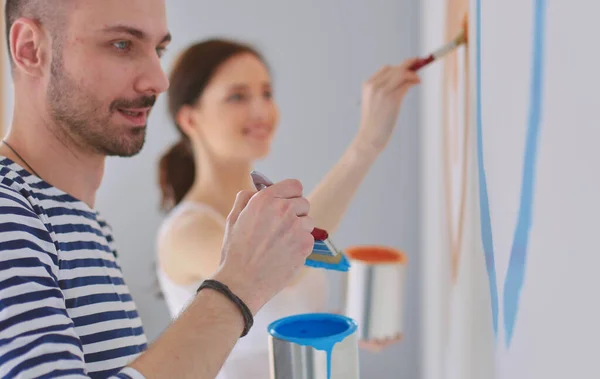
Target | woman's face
(236,117)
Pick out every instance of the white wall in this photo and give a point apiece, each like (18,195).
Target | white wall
(457,338)
(555,329)
(320,51)
(434,262)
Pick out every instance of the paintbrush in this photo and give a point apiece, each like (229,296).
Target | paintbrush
(460,39)
(324,254)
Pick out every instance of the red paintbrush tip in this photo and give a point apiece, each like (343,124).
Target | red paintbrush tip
(319,234)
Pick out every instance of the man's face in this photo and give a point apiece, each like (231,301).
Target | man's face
(106,73)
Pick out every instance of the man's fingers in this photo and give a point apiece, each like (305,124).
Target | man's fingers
(307,223)
(299,205)
(285,189)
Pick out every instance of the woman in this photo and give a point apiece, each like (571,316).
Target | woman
(220,98)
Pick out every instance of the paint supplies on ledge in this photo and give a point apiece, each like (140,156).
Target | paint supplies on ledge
(375,292)
(314,346)
(325,345)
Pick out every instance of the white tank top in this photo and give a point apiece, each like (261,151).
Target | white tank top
(250,356)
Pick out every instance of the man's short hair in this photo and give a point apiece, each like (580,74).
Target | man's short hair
(44,11)
(13,9)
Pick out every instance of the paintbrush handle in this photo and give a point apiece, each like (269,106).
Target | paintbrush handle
(260,181)
(421,63)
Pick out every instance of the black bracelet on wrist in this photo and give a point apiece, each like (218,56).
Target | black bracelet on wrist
(246,313)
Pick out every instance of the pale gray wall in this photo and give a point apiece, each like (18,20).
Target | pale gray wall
(321,52)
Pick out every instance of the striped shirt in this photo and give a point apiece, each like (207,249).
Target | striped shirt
(64,307)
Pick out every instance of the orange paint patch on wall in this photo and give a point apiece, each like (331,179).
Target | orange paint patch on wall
(374,254)
(455,154)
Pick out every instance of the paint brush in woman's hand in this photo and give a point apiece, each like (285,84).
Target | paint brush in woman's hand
(461,38)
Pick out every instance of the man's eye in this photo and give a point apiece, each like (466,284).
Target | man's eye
(160,51)
(122,45)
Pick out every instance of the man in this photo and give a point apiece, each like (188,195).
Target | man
(86,74)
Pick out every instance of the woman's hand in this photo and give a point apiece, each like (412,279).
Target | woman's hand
(376,346)
(382,96)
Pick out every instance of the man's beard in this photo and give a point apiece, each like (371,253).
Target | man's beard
(84,120)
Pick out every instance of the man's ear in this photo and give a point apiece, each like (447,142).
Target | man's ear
(28,47)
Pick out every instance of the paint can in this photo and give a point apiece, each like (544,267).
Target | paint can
(374,291)
(313,346)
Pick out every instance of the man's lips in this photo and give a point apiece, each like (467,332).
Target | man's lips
(138,116)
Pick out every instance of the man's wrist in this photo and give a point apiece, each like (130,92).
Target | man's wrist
(221,306)
(242,289)
(226,291)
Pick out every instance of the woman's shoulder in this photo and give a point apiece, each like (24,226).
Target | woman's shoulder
(188,222)
(189,241)
(188,213)
(189,209)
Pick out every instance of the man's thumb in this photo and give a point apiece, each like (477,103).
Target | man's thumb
(241,200)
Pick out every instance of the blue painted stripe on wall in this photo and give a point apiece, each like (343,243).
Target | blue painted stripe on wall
(515,275)
(484,207)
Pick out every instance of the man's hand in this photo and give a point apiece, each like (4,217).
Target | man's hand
(267,239)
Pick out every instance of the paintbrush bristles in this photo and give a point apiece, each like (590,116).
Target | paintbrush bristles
(326,258)
(465,26)
(337,263)
(460,39)
(449,47)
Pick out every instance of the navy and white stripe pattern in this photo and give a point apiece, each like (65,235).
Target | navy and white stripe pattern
(64,307)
